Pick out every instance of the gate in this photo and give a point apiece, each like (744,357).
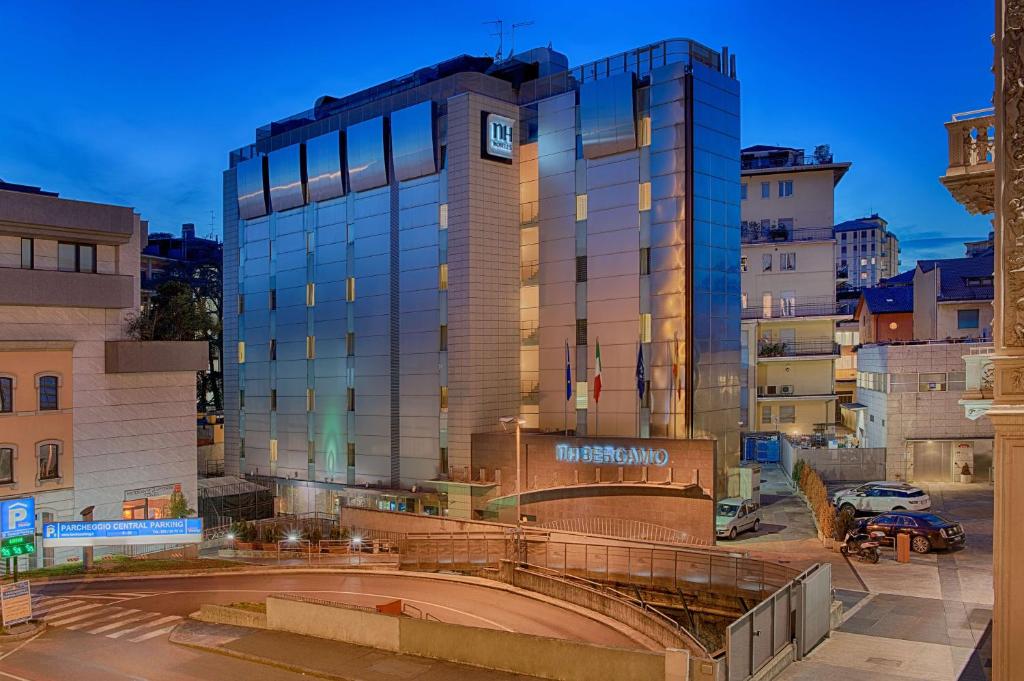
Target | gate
(799,610)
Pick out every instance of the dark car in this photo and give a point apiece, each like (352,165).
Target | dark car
(927,530)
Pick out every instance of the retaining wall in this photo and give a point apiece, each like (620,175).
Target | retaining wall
(222,614)
(335,621)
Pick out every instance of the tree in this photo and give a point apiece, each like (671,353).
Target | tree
(178,506)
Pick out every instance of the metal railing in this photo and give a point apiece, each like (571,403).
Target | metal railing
(784,161)
(790,391)
(626,529)
(797,348)
(809,306)
(752,232)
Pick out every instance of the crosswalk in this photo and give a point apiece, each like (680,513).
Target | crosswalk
(103,616)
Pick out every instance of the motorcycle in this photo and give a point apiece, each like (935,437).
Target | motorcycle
(864,546)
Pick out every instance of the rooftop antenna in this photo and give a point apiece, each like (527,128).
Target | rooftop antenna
(512,47)
(499,33)
(213,226)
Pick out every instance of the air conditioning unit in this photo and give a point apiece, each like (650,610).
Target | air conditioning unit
(787,390)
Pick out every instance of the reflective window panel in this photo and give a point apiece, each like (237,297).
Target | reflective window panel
(287,188)
(324,166)
(252,194)
(367,168)
(607,117)
(412,141)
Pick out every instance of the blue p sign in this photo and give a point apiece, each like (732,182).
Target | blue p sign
(17,517)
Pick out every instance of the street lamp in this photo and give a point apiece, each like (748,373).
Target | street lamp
(357,542)
(506,421)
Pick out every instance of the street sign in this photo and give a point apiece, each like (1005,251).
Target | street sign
(17,517)
(16,603)
(15,547)
(123,532)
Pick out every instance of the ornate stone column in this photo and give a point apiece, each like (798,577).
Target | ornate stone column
(1007,412)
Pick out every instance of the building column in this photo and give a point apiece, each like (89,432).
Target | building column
(1007,412)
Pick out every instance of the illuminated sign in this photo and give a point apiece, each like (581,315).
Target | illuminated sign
(13,547)
(123,532)
(611,455)
(498,134)
(17,517)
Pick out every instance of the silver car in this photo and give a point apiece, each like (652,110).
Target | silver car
(736,515)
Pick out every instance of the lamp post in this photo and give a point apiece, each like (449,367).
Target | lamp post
(519,422)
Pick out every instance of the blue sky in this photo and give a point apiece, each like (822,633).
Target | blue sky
(139,103)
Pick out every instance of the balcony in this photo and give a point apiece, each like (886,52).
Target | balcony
(48,288)
(810,347)
(131,357)
(970,177)
(787,308)
(785,161)
(783,393)
(978,382)
(753,232)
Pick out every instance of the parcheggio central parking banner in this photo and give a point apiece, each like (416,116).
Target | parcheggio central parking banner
(123,532)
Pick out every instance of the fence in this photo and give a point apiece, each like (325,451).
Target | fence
(799,610)
(839,464)
(625,529)
(662,568)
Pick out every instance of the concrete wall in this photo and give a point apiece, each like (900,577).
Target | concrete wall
(488,648)
(946,324)
(812,202)
(926,289)
(335,621)
(222,614)
(853,464)
(813,277)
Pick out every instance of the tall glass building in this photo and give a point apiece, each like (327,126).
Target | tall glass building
(408,264)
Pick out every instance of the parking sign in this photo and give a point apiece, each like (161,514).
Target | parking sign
(17,517)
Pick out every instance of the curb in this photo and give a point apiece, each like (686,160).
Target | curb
(39,627)
(220,572)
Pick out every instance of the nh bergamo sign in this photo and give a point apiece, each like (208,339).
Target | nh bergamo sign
(498,136)
(611,455)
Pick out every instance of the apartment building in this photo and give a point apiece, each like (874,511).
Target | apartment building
(788,284)
(867,252)
(88,417)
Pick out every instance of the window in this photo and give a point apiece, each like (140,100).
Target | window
(644,130)
(241,399)
(75,257)
(310,399)
(787,303)
(6,394)
(49,461)
(645,260)
(28,253)
(241,352)
(6,465)
(581,332)
(442,277)
(766,414)
(785,189)
(310,242)
(442,215)
(310,452)
(766,190)
(967,319)
(787,261)
(743,300)
(871,418)
(842,249)
(934,382)
(350,399)
(443,459)
(443,342)
(351,454)
(273,399)
(310,294)
(843,236)
(310,347)
(787,413)
(743,263)
(350,289)
(582,394)
(48,393)
(645,327)
(272,351)
(241,303)
(743,191)
(766,262)
(581,268)
(645,196)
(350,344)
(444,397)
(581,207)
(272,299)
(273,451)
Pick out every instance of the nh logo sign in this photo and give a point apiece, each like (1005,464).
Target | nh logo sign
(498,136)
(17,517)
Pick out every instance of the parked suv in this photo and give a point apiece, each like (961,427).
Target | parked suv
(876,497)
(736,515)
(927,530)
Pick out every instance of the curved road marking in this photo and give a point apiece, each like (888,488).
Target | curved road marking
(497,625)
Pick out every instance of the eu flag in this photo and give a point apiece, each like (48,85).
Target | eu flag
(640,383)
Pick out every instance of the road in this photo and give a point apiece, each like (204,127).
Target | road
(118,630)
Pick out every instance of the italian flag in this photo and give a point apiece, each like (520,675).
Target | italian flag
(597,374)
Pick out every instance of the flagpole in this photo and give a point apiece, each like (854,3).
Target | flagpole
(672,390)
(636,389)
(597,399)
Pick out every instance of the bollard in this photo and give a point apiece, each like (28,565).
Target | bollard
(903,548)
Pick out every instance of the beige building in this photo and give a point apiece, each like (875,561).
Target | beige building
(866,251)
(788,281)
(87,417)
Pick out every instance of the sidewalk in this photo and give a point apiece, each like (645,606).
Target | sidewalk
(325,659)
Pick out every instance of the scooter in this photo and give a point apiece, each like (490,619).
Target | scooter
(864,546)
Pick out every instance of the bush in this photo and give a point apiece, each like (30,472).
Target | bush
(268,534)
(814,489)
(844,523)
(798,469)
